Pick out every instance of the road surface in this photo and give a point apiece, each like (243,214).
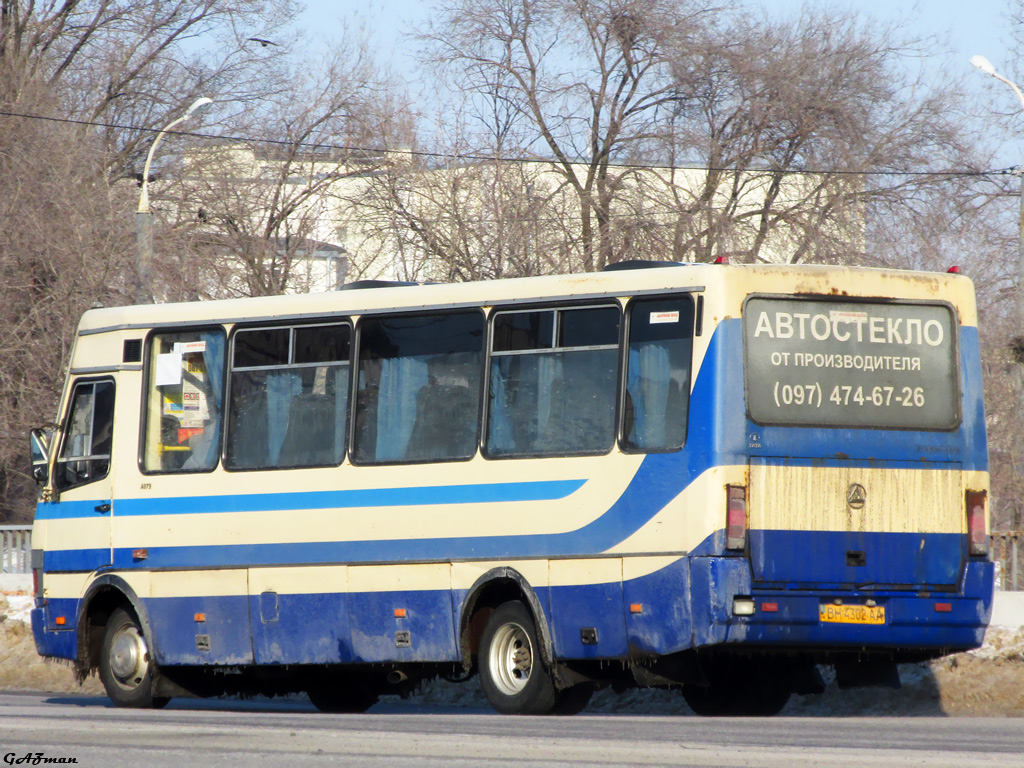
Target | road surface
(399,734)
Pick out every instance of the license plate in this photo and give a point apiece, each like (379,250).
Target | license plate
(851,614)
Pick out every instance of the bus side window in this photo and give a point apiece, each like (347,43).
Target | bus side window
(289,394)
(553,383)
(658,374)
(85,455)
(184,400)
(419,387)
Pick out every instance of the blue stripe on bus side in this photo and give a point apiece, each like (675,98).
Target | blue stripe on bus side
(75,559)
(483,493)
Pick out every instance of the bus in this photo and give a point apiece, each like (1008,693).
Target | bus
(716,478)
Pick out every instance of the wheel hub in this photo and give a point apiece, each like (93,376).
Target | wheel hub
(129,656)
(511,659)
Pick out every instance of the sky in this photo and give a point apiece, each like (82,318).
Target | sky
(971,26)
(962,28)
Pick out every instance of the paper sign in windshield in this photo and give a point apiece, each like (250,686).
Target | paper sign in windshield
(664,317)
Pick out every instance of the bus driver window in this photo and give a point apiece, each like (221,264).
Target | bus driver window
(86,452)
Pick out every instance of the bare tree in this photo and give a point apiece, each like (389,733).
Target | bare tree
(690,131)
(251,212)
(83,85)
(133,66)
(584,83)
(66,246)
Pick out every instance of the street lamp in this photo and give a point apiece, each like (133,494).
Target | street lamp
(1018,347)
(144,216)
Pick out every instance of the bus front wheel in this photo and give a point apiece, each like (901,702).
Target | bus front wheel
(126,668)
(512,673)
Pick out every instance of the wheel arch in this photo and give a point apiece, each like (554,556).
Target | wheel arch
(497,586)
(105,595)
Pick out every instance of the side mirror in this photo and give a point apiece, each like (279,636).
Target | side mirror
(40,439)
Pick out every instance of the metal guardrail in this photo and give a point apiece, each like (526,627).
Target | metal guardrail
(15,548)
(1005,548)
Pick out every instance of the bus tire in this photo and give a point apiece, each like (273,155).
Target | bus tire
(736,700)
(126,667)
(513,675)
(343,697)
(709,701)
(765,701)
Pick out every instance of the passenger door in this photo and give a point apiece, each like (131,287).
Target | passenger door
(81,541)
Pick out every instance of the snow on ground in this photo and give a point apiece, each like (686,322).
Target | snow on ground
(18,607)
(986,682)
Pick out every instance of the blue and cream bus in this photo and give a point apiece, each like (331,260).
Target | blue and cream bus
(710,477)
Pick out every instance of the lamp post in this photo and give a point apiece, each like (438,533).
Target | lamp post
(1017,341)
(1018,347)
(144,216)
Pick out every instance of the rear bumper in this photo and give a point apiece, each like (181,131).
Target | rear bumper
(918,622)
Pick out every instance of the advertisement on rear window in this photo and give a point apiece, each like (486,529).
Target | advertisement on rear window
(825,363)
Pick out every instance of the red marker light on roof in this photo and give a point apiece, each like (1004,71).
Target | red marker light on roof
(722,260)
(954,270)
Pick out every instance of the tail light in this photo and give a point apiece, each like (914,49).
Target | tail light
(736,518)
(977,535)
(37,572)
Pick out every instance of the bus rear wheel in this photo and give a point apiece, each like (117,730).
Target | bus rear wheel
(126,669)
(512,673)
(736,700)
(342,697)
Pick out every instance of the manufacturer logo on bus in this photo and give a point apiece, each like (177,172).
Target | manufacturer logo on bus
(856,496)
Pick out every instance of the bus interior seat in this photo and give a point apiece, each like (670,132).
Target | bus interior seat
(249,440)
(551,435)
(309,437)
(445,425)
(582,415)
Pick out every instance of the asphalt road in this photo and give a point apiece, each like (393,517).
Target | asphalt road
(234,733)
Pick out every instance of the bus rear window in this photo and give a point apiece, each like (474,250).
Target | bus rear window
(850,364)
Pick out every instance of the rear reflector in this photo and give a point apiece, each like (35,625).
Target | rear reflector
(977,535)
(736,518)
(770,607)
(943,607)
